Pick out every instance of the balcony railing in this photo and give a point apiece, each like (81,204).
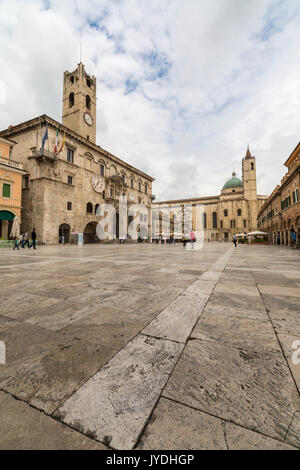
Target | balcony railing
(12,163)
(40,153)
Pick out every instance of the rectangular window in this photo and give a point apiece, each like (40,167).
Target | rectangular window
(111,191)
(221,223)
(245,223)
(232,224)
(101,169)
(70,180)
(6,190)
(70,155)
(146,189)
(140,200)
(140,186)
(131,183)
(123,178)
(25,182)
(69,206)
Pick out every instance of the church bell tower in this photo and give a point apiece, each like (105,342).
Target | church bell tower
(250,193)
(79,103)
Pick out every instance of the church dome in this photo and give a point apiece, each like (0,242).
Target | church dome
(234,182)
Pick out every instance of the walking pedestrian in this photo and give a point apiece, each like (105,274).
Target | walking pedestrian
(234,240)
(21,240)
(33,238)
(16,244)
(26,239)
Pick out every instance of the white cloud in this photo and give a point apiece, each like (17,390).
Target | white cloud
(183,88)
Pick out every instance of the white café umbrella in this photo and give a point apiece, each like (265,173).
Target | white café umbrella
(241,234)
(257,233)
(15,229)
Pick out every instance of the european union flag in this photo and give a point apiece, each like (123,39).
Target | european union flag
(45,137)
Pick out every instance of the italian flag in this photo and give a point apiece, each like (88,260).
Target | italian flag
(63,143)
(56,143)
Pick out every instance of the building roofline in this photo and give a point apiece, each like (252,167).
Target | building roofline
(292,155)
(44,118)
(176,201)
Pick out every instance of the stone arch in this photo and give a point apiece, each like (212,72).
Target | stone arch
(64,230)
(90,233)
(6,221)
(112,170)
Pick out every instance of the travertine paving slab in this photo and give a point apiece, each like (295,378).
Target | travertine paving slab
(239,438)
(237,302)
(115,403)
(243,311)
(293,435)
(177,320)
(24,344)
(19,305)
(24,428)
(177,427)
(292,354)
(286,323)
(244,332)
(278,290)
(250,388)
(281,303)
(49,380)
(236,288)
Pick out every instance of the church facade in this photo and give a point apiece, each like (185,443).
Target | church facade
(69,175)
(233,211)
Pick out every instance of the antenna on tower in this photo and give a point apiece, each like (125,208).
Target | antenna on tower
(80,50)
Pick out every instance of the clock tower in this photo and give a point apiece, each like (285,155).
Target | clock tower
(79,103)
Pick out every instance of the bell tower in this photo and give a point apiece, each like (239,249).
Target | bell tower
(249,177)
(250,194)
(79,103)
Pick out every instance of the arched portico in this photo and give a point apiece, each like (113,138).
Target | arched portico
(6,221)
(90,234)
(64,233)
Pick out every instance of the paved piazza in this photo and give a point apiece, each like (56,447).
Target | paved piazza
(150,347)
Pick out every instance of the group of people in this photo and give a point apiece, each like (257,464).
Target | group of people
(24,240)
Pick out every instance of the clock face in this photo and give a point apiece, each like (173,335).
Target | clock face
(98,184)
(88,119)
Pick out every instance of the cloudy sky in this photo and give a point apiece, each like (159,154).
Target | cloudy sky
(183,86)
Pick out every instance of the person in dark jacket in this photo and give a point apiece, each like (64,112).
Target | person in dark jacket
(33,238)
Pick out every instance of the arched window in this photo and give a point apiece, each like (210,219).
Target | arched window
(215,220)
(88,82)
(71,80)
(88,102)
(204,220)
(89,208)
(225,213)
(239,212)
(252,166)
(71,100)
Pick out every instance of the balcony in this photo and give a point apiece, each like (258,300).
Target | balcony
(43,153)
(11,163)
